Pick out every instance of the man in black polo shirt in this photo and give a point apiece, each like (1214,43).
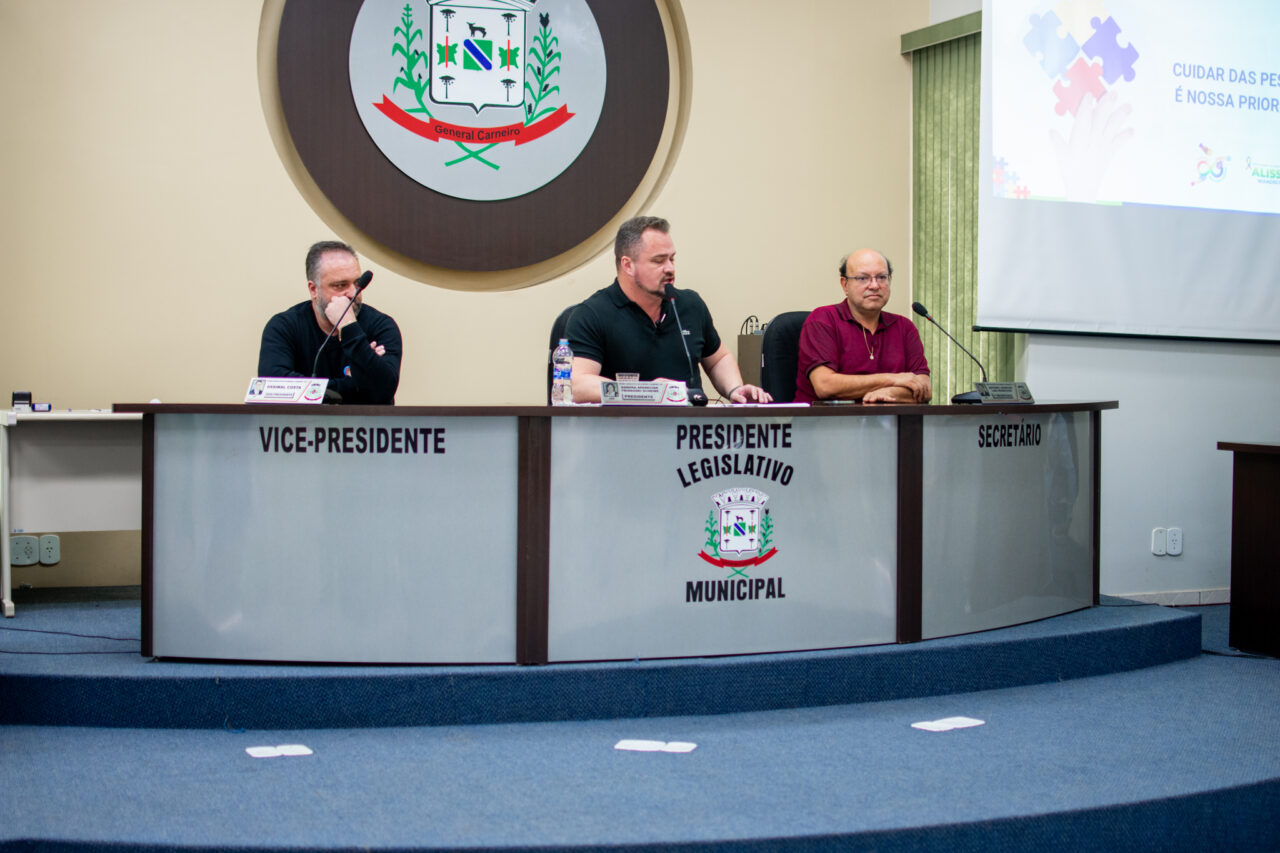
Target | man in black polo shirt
(631,327)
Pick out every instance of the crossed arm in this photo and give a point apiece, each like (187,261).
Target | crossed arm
(871,387)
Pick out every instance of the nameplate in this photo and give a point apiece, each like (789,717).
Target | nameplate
(1004,392)
(635,393)
(285,389)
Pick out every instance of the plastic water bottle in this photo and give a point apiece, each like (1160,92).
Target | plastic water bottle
(562,374)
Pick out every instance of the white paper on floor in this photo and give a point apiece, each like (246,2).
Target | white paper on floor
(285,749)
(946,724)
(655,746)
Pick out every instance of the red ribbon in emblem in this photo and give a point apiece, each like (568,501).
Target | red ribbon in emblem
(436,130)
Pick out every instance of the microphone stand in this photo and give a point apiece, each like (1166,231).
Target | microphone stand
(966,396)
(697,396)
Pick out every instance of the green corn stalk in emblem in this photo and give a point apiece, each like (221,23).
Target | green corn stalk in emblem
(713,538)
(416,84)
(766,533)
(544,63)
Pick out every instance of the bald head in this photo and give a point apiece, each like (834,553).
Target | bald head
(864,255)
(865,276)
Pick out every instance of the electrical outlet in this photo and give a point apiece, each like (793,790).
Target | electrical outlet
(1173,541)
(24,550)
(50,549)
(1157,541)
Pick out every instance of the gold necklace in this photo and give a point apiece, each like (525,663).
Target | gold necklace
(867,341)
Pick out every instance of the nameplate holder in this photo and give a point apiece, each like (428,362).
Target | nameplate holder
(1004,393)
(635,393)
(285,389)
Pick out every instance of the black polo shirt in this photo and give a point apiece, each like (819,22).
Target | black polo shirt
(611,329)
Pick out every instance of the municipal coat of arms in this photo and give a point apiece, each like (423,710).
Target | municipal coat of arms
(739,531)
(478,99)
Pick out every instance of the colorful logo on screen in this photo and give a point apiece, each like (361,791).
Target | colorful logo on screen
(1080,52)
(1263,173)
(1079,67)
(1209,166)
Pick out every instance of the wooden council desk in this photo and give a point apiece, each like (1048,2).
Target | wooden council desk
(1255,572)
(364,534)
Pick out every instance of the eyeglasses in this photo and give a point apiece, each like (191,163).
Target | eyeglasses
(864,280)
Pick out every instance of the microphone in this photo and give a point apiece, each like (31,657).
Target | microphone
(967,396)
(361,283)
(697,396)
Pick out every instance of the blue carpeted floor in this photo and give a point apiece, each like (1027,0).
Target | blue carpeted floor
(1182,755)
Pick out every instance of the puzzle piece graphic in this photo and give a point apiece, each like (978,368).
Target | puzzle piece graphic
(1076,15)
(1055,52)
(1085,79)
(998,176)
(1021,192)
(1117,61)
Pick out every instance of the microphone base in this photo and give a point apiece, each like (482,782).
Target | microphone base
(697,397)
(966,398)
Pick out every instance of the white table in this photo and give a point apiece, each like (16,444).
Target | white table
(67,471)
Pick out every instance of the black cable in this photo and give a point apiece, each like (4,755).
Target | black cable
(121,652)
(70,634)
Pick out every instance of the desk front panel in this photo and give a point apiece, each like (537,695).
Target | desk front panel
(693,536)
(1007,519)
(334,538)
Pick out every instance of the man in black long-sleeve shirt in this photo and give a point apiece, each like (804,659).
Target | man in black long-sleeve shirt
(362,362)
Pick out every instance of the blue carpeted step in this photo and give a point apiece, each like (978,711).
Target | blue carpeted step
(1175,757)
(118,688)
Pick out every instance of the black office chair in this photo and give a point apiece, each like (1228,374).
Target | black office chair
(557,332)
(780,355)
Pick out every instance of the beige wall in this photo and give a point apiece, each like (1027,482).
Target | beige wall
(151,229)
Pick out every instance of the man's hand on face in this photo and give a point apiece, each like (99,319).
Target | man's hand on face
(334,309)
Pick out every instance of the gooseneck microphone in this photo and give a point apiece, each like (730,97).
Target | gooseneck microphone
(966,396)
(361,283)
(697,396)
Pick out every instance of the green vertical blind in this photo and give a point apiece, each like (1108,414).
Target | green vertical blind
(946,79)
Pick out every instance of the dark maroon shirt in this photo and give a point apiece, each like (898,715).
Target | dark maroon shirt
(832,337)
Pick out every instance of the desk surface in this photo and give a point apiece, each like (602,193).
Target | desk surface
(737,411)
(68,415)
(1250,447)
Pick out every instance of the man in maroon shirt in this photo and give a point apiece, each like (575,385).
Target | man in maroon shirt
(855,350)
